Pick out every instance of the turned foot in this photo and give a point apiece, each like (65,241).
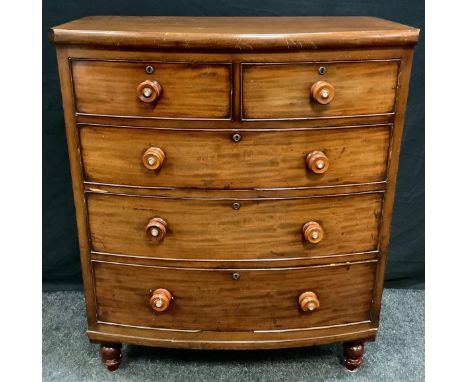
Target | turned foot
(111,356)
(353,352)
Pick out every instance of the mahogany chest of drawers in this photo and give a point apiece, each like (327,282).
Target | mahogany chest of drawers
(233,177)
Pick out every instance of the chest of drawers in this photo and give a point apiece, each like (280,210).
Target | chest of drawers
(233,177)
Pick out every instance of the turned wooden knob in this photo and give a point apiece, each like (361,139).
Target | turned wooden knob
(322,92)
(160,300)
(308,301)
(156,229)
(149,91)
(313,232)
(153,158)
(317,162)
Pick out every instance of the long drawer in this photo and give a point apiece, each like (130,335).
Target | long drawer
(284,91)
(185,90)
(226,229)
(206,159)
(233,300)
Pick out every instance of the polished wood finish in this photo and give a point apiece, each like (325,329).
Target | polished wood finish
(233,340)
(387,211)
(212,300)
(156,229)
(283,91)
(149,91)
(111,355)
(234,33)
(308,301)
(160,300)
(313,232)
(214,229)
(236,194)
(77,184)
(191,90)
(322,92)
(208,159)
(353,352)
(317,162)
(153,158)
(202,262)
(242,156)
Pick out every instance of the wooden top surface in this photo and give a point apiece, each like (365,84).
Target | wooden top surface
(234,33)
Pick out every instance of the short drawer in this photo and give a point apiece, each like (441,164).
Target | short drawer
(227,160)
(288,91)
(233,300)
(234,230)
(181,90)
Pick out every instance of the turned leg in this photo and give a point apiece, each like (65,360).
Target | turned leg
(111,355)
(353,352)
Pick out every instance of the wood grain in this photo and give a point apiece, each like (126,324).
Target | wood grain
(387,211)
(283,90)
(236,123)
(214,230)
(202,65)
(205,159)
(309,302)
(160,300)
(382,53)
(236,33)
(73,146)
(212,300)
(235,263)
(236,194)
(149,91)
(233,340)
(190,90)
(322,92)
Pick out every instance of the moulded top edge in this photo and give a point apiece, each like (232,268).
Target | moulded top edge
(234,33)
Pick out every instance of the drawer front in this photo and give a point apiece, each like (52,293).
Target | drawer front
(283,91)
(221,229)
(215,300)
(188,90)
(201,159)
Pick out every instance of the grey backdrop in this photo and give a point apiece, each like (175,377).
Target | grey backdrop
(61,266)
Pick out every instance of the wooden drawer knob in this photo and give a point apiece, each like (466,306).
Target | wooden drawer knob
(149,91)
(313,232)
(160,300)
(153,158)
(322,92)
(317,162)
(156,229)
(308,301)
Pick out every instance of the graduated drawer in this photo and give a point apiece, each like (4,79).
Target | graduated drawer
(207,159)
(220,300)
(225,229)
(283,91)
(188,90)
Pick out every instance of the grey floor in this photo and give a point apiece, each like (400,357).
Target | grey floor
(397,354)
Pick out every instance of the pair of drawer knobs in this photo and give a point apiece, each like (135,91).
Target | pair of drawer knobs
(153,159)
(161,299)
(150,91)
(156,230)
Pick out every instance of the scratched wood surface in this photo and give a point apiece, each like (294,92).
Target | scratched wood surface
(284,90)
(213,300)
(236,33)
(190,90)
(259,229)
